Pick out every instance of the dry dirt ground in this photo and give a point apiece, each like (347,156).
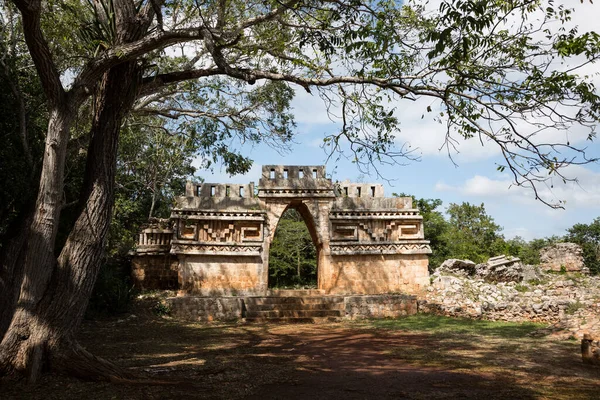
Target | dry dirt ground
(420,357)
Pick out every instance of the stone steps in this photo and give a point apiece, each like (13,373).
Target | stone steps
(295,292)
(294,306)
(292,309)
(294,300)
(293,320)
(293,313)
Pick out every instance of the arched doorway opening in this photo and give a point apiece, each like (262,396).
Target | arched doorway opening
(293,256)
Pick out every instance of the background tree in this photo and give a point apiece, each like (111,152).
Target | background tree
(487,64)
(588,237)
(292,257)
(22,123)
(435,227)
(472,234)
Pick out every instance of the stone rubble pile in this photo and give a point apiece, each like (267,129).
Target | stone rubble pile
(570,302)
(501,269)
(496,269)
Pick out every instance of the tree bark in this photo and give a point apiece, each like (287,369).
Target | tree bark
(55,292)
(51,294)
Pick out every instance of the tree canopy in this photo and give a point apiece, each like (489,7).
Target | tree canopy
(230,68)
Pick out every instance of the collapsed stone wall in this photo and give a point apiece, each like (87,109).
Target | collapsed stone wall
(571,302)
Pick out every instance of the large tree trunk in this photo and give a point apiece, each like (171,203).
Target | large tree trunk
(11,271)
(55,292)
(27,263)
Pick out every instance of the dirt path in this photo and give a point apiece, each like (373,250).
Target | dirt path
(338,363)
(418,358)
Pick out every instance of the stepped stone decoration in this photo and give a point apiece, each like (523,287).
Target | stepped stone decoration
(219,235)
(563,255)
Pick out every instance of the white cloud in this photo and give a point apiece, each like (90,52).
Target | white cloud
(582,193)
(309,109)
(522,232)
(220,176)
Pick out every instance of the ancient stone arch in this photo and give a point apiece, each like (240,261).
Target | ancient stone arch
(277,209)
(221,235)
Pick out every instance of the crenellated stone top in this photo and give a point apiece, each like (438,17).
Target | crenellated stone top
(294,181)
(290,182)
(218,196)
(355,190)
(219,190)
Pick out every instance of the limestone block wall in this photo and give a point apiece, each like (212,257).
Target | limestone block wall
(215,275)
(211,309)
(153,268)
(374,274)
(206,309)
(382,306)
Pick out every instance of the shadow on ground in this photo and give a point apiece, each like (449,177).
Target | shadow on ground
(414,358)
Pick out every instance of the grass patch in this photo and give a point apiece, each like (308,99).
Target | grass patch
(439,325)
(537,282)
(521,288)
(572,308)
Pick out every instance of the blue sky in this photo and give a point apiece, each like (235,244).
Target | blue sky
(474,180)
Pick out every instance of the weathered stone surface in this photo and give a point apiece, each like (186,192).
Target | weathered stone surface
(567,256)
(531,273)
(205,309)
(501,269)
(371,274)
(459,267)
(290,308)
(384,306)
(366,243)
(154,272)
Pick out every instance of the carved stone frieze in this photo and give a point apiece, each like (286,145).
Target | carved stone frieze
(216,249)
(375,230)
(216,230)
(352,248)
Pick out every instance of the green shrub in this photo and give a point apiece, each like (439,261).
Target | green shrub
(161,308)
(573,307)
(521,288)
(563,270)
(535,282)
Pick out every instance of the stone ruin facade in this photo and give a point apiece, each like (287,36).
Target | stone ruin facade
(217,240)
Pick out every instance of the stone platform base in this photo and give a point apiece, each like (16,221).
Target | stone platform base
(280,308)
